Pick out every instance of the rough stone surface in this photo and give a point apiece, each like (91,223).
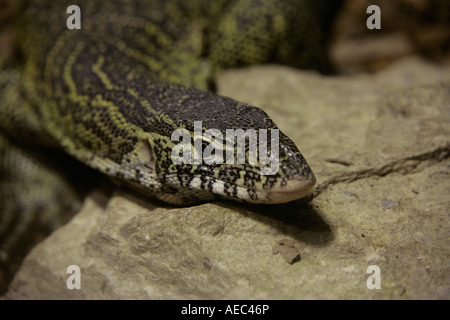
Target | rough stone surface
(379,146)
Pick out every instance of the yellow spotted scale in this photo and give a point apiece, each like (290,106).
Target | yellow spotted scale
(109,96)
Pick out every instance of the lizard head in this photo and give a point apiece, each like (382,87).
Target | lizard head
(217,147)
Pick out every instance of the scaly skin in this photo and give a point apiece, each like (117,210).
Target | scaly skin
(111,94)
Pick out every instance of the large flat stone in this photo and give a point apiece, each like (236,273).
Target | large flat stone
(379,146)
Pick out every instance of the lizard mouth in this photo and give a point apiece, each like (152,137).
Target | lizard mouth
(295,189)
(195,192)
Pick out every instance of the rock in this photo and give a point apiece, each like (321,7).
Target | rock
(287,249)
(379,146)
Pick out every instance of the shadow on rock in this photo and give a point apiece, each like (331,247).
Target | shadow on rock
(297,219)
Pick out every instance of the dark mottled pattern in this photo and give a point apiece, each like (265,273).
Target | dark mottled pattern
(111,94)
